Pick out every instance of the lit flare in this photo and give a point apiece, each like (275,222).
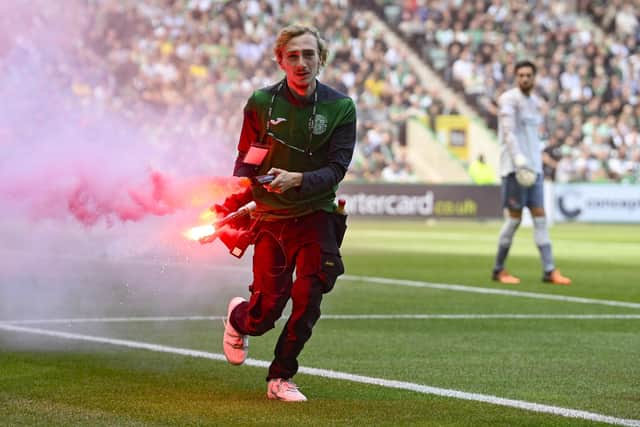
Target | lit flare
(200,232)
(207,215)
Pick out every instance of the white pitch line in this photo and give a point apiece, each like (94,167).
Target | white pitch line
(514,316)
(436,235)
(70,320)
(474,289)
(380,280)
(401,385)
(482,316)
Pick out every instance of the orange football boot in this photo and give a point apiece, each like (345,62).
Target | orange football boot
(556,278)
(503,276)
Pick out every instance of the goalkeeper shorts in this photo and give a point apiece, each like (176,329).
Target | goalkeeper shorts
(515,197)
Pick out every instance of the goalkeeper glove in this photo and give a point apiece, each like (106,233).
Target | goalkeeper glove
(525,176)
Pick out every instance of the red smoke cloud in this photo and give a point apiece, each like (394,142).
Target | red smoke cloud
(161,195)
(62,155)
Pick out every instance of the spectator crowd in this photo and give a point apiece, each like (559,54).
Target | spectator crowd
(591,84)
(181,70)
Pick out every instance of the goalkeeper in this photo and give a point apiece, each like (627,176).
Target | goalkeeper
(519,118)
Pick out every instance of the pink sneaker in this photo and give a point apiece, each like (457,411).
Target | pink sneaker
(285,390)
(235,346)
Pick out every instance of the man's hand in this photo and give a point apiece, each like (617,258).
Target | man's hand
(220,210)
(231,204)
(284,180)
(525,176)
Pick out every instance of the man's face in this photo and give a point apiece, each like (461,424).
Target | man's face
(525,79)
(300,61)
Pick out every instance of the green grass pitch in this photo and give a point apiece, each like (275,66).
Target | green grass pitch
(580,353)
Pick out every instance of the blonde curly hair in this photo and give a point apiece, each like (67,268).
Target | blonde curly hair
(295,30)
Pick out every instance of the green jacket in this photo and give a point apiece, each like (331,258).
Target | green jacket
(322,153)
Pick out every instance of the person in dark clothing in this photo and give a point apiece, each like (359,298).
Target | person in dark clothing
(303,133)
(552,154)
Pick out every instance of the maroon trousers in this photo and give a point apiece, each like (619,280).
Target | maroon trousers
(307,245)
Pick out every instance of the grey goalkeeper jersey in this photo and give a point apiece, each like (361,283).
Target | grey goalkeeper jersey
(519,120)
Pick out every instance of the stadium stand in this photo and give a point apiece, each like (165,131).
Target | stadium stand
(199,60)
(182,69)
(591,83)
